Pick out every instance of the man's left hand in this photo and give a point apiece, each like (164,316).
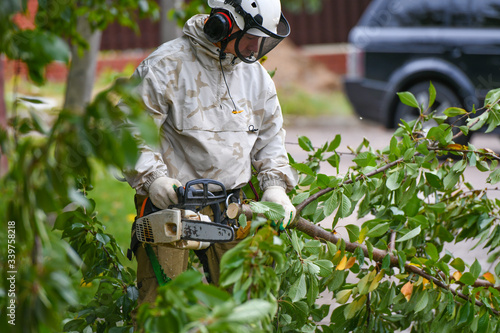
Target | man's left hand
(278,195)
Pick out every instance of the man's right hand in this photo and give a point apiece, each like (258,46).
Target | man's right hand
(162,192)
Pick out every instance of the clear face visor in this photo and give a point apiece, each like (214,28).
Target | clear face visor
(256,41)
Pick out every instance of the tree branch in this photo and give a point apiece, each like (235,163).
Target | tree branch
(318,194)
(491,155)
(315,231)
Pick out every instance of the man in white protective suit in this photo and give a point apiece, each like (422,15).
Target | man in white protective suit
(218,115)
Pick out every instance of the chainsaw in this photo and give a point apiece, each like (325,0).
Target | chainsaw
(181,225)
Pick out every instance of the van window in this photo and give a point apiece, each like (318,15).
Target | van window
(487,13)
(421,13)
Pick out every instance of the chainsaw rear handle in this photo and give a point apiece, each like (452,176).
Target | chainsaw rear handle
(191,196)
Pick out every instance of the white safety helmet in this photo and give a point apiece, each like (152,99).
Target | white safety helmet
(261,18)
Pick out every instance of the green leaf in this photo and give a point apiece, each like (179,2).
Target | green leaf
(494,177)
(297,243)
(386,262)
(242,220)
(394,181)
(298,290)
(345,206)
(459,166)
(413,206)
(454,111)
(442,134)
(313,246)
(78,198)
(74,325)
(432,94)
(408,98)
(121,329)
(434,180)
(132,293)
(353,232)
(475,269)
(413,233)
(422,302)
(334,144)
(330,204)
(477,121)
(375,283)
(468,278)
(365,159)
(303,168)
(451,180)
(325,266)
(379,230)
(483,323)
(251,311)
(102,238)
(464,129)
(336,280)
(64,220)
(274,210)
(458,264)
(49,47)
(343,296)
(444,234)
(130,149)
(305,143)
(332,249)
(334,161)
(369,248)
(394,146)
(432,251)
(299,198)
(364,284)
(353,308)
(232,277)
(493,120)
(322,180)
(463,314)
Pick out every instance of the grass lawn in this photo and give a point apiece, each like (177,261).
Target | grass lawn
(115,207)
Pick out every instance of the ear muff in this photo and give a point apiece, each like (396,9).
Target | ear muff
(218,26)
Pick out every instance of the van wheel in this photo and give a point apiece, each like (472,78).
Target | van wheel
(445,98)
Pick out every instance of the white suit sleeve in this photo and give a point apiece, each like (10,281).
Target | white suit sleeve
(269,156)
(150,165)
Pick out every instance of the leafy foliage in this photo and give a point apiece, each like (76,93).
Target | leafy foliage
(56,23)
(391,273)
(48,182)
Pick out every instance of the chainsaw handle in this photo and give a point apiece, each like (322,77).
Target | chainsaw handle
(191,195)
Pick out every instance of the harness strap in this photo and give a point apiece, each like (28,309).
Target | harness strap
(161,277)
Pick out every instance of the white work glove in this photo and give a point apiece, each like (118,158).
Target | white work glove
(278,195)
(162,192)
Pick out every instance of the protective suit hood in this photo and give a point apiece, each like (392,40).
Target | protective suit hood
(201,45)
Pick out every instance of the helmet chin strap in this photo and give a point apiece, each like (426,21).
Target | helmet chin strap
(223,44)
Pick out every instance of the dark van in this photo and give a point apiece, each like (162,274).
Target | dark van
(401,45)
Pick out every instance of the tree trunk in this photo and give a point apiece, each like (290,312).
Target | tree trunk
(3,118)
(83,67)
(168,28)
